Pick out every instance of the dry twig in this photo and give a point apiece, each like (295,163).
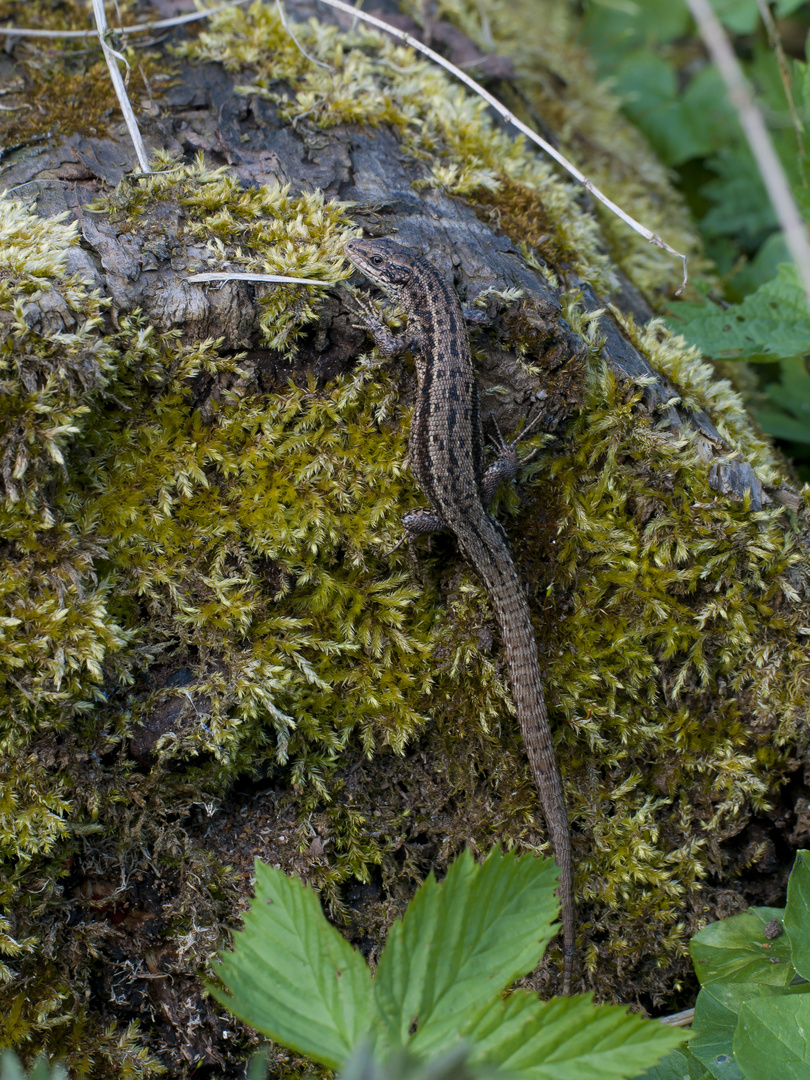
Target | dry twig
(770,167)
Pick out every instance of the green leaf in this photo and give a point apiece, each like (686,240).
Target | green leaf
(677,1065)
(772,322)
(771,1038)
(740,16)
(612,30)
(293,977)
(716,1011)
(454,1064)
(716,1015)
(736,950)
(11,1069)
(566,1038)
(760,269)
(792,397)
(648,87)
(782,426)
(797,913)
(740,204)
(460,943)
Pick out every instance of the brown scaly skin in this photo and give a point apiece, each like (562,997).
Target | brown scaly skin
(446,450)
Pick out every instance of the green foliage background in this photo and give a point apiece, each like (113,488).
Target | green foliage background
(753,306)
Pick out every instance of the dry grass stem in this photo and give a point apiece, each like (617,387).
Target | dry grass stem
(112,58)
(770,167)
(258,277)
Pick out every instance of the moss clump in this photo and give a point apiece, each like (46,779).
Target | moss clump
(54,80)
(262,230)
(556,93)
(219,583)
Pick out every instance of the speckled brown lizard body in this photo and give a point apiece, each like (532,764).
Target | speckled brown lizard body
(446,450)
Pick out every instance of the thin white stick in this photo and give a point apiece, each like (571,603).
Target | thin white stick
(138,28)
(681,1019)
(513,120)
(112,59)
(770,167)
(258,277)
(296,42)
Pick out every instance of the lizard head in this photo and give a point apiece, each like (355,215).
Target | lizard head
(385,263)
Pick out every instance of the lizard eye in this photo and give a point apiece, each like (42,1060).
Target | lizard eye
(377,260)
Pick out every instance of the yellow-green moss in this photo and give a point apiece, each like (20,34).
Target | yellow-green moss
(557,93)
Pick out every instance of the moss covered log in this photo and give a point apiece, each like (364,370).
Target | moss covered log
(205,651)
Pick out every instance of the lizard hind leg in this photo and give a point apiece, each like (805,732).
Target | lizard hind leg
(422,521)
(506,464)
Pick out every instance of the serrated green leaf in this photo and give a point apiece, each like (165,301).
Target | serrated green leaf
(677,1065)
(460,943)
(797,913)
(772,322)
(566,1038)
(454,1064)
(740,206)
(736,950)
(648,86)
(760,269)
(293,977)
(771,1038)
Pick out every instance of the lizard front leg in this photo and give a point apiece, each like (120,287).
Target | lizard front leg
(390,345)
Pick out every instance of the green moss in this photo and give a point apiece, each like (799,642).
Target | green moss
(55,79)
(554,90)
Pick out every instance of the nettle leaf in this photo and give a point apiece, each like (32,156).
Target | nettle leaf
(792,396)
(460,943)
(737,950)
(772,322)
(293,977)
(771,1038)
(797,913)
(740,207)
(566,1038)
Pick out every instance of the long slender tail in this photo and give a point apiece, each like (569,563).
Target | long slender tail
(512,610)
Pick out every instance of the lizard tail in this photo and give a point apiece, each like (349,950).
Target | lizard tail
(512,610)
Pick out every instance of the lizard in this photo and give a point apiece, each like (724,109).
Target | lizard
(446,455)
